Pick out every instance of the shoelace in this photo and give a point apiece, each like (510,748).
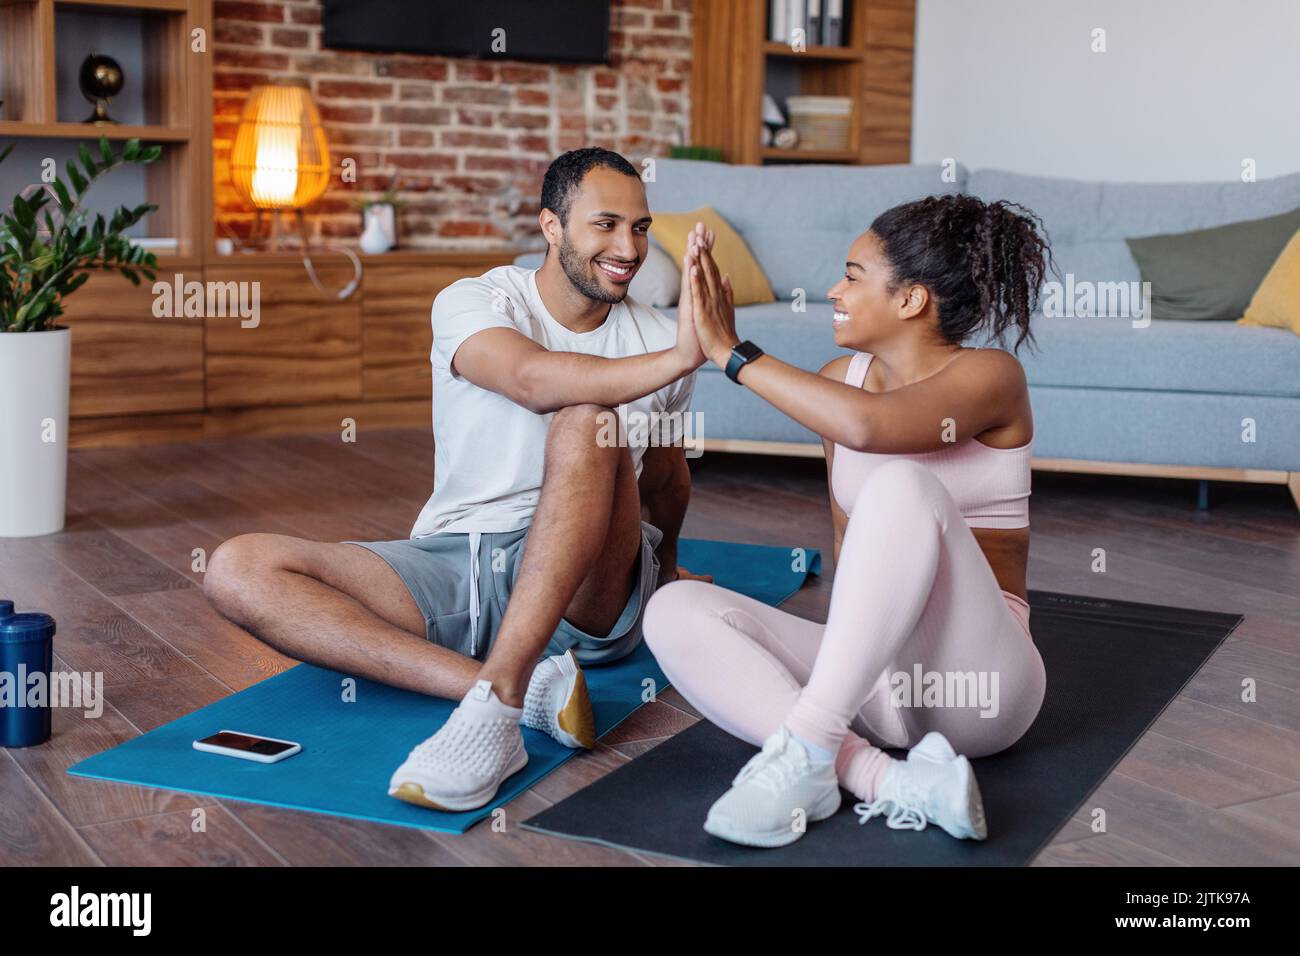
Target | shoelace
(770,768)
(905,812)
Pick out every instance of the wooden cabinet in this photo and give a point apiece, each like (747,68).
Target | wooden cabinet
(301,347)
(127,361)
(304,362)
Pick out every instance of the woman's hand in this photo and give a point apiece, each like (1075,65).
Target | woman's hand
(712,307)
(688,343)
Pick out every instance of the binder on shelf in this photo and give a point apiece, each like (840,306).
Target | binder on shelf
(798,21)
(814,22)
(833,23)
(778,15)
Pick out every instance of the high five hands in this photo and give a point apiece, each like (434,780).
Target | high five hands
(688,343)
(712,302)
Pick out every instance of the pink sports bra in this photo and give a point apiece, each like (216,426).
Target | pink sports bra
(990,485)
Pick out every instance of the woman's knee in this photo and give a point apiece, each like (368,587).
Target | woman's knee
(901,487)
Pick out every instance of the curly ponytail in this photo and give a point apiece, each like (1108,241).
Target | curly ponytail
(984,263)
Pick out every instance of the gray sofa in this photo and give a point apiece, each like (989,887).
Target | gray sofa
(1168,398)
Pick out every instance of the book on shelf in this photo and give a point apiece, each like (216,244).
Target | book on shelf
(832,33)
(814,21)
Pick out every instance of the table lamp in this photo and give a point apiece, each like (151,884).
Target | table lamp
(280,160)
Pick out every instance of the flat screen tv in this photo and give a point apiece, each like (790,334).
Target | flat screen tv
(574,31)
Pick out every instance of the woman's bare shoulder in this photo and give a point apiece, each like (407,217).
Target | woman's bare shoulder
(838,367)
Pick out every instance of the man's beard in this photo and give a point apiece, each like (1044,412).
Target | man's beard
(578,271)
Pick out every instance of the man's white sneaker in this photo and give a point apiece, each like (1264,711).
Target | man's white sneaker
(934,785)
(557,702)
(775,795)
(461,767)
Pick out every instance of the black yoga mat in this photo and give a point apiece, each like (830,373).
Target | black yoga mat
(1112,667)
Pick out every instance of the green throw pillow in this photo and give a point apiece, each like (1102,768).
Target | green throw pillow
(1211,273)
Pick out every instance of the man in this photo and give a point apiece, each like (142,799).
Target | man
(528,369)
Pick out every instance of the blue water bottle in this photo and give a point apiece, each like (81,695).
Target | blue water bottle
(26,648)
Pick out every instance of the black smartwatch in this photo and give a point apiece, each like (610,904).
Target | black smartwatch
(741,355)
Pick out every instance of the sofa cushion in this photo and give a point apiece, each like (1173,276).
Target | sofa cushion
(672,231)
(798,220)
(1211,273)
(1088,222)
(1176,355)
(1276,302)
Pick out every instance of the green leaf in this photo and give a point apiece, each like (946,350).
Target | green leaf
(131,150)
(60,190)
(74,175)
(106,150)
(150,154)
(23,212)
(86,160)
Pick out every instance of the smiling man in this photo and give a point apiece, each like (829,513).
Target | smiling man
(542,540)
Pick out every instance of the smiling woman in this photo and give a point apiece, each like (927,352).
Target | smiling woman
(927,442)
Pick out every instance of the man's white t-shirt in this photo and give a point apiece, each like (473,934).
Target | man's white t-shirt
(488,450)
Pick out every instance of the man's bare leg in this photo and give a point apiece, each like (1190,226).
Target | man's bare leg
(341,606)
(581,558)
(336,605)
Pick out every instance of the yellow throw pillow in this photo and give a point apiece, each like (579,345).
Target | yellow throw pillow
(1276,303)
(748,282)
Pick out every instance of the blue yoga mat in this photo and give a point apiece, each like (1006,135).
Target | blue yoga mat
(350,749)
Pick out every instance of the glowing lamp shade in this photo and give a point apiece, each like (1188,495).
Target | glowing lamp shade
(280,159)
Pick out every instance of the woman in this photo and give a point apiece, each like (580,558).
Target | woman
(928,444)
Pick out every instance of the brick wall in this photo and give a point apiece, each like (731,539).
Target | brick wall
(470,138)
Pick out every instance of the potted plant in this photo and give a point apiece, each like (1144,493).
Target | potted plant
(379,219)
(49,245)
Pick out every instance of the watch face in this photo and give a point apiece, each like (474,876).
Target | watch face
(749,351)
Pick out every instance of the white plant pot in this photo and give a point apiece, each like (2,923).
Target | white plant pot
(34,368)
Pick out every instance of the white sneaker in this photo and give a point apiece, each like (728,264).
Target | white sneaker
(774,795)
(557,702)
(934,785)
(461,767)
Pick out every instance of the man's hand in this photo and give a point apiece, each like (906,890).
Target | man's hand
(688,343)
(712,307)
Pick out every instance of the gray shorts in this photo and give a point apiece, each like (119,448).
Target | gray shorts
(463,610)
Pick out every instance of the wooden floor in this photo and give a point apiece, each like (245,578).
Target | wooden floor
(1216,781)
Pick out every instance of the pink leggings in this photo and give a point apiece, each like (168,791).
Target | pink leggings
(913,595)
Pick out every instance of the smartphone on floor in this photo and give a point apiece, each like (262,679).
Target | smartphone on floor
(232,743)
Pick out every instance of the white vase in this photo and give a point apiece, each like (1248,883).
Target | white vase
(34,368)
(380,232)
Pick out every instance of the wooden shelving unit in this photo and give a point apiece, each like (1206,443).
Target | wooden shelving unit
(734,60)
(91,131)
(174,83)
(137,377)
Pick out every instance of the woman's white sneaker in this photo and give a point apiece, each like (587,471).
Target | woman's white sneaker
(934,785)
(775,795)
(557,702)
(462,766)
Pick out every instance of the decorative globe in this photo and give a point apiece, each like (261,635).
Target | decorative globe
(100,78)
